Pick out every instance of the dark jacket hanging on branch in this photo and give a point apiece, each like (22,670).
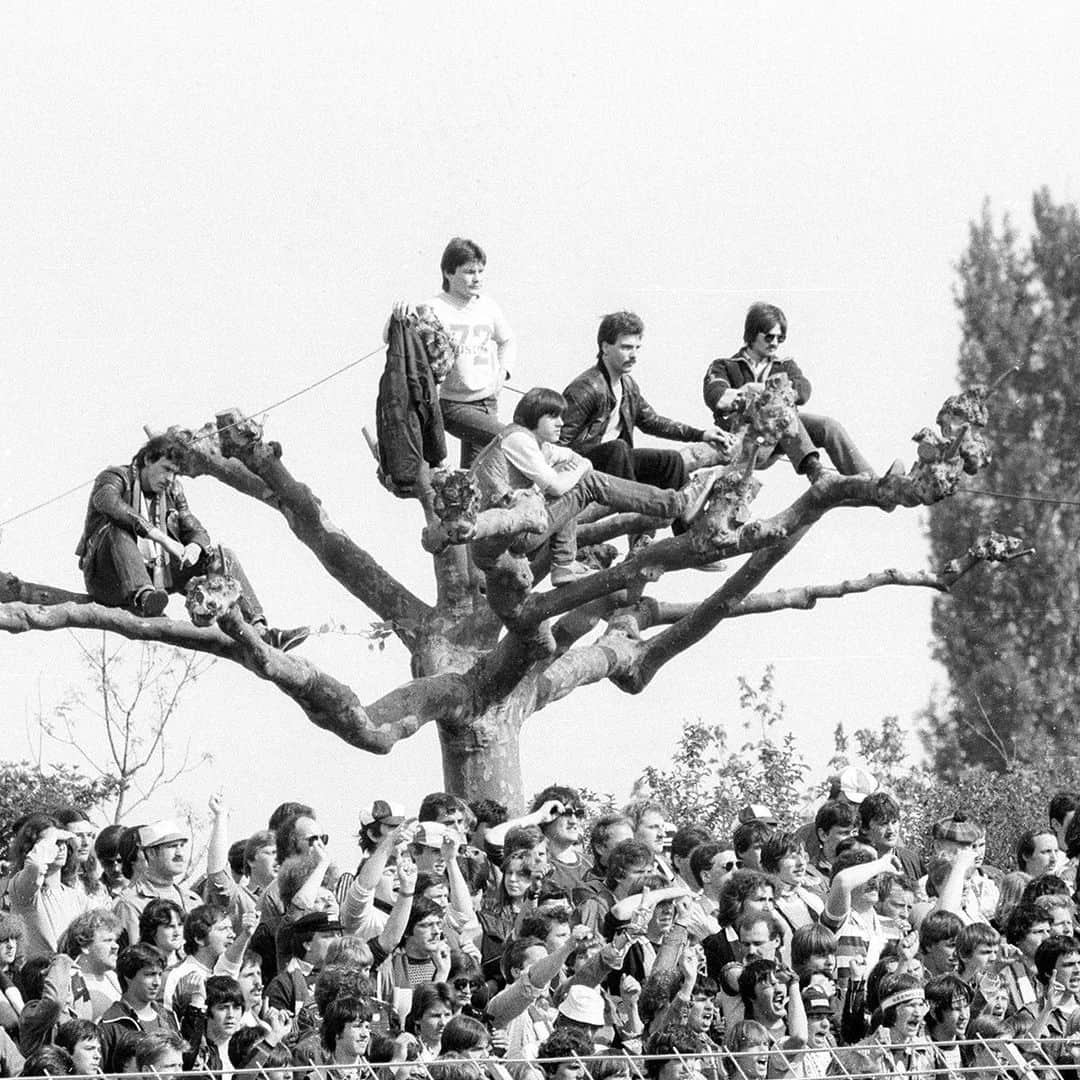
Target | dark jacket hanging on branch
(407,418)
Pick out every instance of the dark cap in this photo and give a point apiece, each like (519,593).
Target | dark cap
(757,812)
(315,922)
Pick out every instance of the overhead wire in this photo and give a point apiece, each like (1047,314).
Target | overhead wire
(322,380)
(217,431)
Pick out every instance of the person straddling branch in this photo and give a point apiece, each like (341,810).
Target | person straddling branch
(141,542)
(527,454)
(731,381)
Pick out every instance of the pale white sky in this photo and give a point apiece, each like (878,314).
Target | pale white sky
(206,205)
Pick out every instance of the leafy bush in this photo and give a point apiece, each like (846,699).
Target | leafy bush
(707,783)
(25,787)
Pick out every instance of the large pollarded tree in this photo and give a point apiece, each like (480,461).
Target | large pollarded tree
(485,660)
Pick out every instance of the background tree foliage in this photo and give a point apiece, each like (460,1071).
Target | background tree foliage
(708,783)
(1011,642)
(25,787)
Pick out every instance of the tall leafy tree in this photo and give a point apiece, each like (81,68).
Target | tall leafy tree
(1010,642)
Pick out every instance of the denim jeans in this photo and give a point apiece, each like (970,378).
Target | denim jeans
(813,432)
(475,423)
(116,571)
(625,496)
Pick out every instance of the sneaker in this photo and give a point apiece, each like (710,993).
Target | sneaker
(568,573)
(697,491)
(285,639)
(150,602)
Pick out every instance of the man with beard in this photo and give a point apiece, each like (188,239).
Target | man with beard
(165,845)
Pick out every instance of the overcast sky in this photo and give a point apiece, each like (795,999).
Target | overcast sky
(206,205)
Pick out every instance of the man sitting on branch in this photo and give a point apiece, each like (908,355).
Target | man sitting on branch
(141,542)
(527,454)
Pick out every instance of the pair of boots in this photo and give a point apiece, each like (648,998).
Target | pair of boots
(149,603)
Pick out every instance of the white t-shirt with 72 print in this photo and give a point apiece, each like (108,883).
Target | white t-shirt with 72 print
(478,328)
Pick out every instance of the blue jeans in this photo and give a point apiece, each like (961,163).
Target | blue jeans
(813,432)
(475,423)
(625,496)
(114,572)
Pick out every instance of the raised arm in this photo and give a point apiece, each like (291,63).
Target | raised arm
(951,892)
(461,902)
(394,930)
(496,834)
(648,899)
(838,902)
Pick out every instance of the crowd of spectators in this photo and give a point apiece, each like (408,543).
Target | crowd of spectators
(558,945)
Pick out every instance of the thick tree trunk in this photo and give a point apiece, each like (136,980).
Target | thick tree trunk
(483,762)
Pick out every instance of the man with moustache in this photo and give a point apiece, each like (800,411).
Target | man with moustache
(605,407)
(165,844)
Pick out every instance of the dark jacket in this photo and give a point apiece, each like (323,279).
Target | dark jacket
(736,371)
(120,1016)
(112,502)
(589,401)
(204,1057)
(408,422)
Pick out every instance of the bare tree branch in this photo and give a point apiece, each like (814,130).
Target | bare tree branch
(239,458)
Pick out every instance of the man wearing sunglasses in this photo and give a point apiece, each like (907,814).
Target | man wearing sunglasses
(710,865)
(558,813)
(730,382)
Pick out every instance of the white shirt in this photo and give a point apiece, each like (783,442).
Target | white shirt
(478,329)
(536,460)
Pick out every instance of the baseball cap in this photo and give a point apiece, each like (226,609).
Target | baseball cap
(815,1002)
(757,812)
(430,834)
(856,783)
(166,831)
(383,812)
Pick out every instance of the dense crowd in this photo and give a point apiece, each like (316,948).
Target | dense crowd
(468,944)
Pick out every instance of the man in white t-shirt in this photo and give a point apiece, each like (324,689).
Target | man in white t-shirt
(484,347)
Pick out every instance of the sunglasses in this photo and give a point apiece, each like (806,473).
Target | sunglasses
(773,337)
(313,840)
(578,812)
